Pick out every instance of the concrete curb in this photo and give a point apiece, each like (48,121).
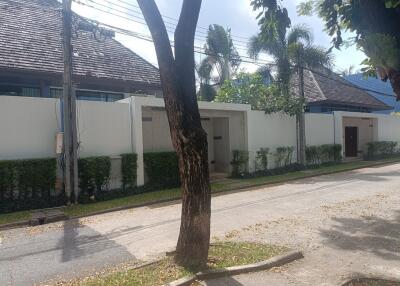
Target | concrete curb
(214,194)
(235,270)
(14,225)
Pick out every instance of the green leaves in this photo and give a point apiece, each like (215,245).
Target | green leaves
(392,3)
(221,56)
(94,174)
(128,171)
(246,89)
(382,49)
(162,169)
(240,163)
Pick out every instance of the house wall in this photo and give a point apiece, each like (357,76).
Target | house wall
(104,129)
(319,129)
(269,131)
(28,127)
(388,128)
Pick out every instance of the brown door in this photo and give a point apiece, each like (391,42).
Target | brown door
(351,141)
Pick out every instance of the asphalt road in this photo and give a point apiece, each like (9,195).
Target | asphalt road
(65,250)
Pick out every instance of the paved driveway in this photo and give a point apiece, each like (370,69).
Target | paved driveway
(345,223)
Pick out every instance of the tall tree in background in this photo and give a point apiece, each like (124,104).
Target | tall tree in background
(376,24)
(292,52)
(222,58)
(188,137)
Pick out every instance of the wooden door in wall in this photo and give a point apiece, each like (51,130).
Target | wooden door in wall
(351,141)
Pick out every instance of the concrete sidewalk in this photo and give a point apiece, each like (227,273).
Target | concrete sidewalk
(307,214)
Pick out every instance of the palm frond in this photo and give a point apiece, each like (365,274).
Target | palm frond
(299,33)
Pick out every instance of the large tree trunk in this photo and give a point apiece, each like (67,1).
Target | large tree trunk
(188,137)
(394,77)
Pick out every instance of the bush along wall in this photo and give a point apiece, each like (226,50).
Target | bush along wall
(128,171)
(240,163)
(381,150)
(323,154)
(283,156)
(94,176)
(162,169)
(28,184)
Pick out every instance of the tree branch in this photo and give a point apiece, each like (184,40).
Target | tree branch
(162,44)
(184,51)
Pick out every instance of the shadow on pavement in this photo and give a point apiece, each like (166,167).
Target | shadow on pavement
(372,234)
(349,176)
(225,281)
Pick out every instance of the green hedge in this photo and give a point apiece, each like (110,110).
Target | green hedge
(94,175)
(327,153)
(26,184)
(381,149)
(162,169)
(128,171)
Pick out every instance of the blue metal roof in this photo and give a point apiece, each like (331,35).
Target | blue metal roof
(379,89)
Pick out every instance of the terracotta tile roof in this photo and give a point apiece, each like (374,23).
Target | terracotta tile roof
(30,40)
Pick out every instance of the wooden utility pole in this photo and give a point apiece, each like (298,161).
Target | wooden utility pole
(300,120)
(69,108)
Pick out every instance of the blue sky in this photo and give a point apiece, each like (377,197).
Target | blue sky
(235,14)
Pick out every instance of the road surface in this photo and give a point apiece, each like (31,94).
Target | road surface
(65,250)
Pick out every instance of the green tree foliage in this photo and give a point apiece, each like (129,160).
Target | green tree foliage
(288,48)
(222,58)
(376,24)
(251,89)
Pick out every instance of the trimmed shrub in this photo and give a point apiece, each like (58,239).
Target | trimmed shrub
(327,153)
(261,163)
(28,184)
(381,149)
(283,156)
(240,163)
(128,171)
(94,175)
(162,169)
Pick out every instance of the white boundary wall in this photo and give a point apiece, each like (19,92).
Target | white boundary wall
(28,127)
(269,131)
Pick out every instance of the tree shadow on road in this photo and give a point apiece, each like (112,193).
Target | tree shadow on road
(372,234)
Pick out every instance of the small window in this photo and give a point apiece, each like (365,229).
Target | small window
(15,90)
(98,96)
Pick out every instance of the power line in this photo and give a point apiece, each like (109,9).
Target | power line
(198,49)
(176,20)
(140,20)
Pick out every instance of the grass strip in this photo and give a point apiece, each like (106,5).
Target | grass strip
(221,255)
(230,184)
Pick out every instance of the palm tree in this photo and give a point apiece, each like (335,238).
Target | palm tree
(222,58)
(291,53)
